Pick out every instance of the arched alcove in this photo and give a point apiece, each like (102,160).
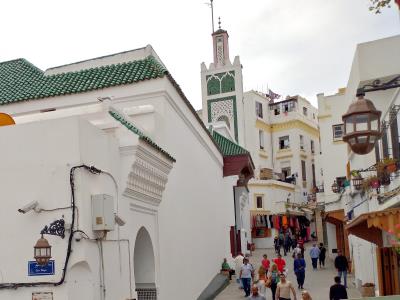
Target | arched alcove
(144,266)
(80,284)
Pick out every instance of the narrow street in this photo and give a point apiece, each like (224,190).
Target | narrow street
(317,282)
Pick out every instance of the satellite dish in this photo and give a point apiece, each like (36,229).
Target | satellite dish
(6,120)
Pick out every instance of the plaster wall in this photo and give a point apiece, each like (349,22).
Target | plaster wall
(197,208)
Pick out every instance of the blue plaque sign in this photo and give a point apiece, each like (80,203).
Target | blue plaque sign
(37,270)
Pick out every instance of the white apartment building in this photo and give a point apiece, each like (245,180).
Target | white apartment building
(370,212)
(281,137)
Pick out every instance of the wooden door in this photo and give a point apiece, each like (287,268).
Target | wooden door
(389,260)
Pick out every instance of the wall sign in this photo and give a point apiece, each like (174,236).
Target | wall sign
(42,296)
(37,270)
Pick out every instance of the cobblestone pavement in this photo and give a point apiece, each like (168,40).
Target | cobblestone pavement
(317,282)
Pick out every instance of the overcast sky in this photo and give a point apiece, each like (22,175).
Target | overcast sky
(294,47)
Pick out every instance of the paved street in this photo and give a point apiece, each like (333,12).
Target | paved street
(317,282)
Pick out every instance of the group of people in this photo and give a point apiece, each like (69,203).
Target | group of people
(272,274)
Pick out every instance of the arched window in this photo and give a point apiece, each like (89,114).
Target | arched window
(213,86)
(228,83)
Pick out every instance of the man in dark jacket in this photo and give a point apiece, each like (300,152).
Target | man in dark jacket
(337,291)
(341,264)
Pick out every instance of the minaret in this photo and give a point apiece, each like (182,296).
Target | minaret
(222,88)
(221,45)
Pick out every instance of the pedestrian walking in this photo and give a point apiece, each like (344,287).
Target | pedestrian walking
(262,277)
(314,254)
(337,291)
(322,255)
(255,295)
(300,242)
(305,295)
(287,243)
(280,263)
(238,266)
(282,242)
(276,245)
(246,275)
(299,267)
(284,288)
(273,278)
(342,265)
(296,251)
(265,262)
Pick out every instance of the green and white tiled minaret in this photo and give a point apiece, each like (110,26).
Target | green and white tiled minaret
(222,88)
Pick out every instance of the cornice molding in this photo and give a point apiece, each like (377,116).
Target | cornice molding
(148,176)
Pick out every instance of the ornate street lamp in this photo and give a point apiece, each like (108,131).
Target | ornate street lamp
(361,125)
(42,251)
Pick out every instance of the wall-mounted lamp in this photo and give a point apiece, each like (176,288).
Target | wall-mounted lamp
(42,249)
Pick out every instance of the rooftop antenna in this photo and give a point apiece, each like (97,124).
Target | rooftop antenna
(211,5)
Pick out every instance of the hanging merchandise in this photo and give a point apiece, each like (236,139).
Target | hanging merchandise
(271,221)
(291,223)
(284,221)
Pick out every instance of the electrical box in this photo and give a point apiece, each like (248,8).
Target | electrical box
(102,212)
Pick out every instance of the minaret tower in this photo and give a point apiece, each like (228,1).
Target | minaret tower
(222,88)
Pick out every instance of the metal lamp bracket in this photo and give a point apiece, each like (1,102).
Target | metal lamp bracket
(56,228)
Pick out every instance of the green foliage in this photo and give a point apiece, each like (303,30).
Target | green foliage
(378,5)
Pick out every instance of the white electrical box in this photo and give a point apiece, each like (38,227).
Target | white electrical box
(102,212)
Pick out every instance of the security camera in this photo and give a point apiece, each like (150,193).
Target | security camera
(118,220)
(34,205)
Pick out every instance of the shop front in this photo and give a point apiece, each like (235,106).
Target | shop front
(374,227)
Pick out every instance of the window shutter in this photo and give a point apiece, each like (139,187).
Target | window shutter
(394,134)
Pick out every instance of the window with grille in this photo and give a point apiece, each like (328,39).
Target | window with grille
(338,131)
(301,142)
(303,170)
(261,139)
(312,147)
(259,110)
(284,142)
(259,201)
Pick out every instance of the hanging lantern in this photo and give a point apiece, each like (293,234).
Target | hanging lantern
(361,126)
(358,182)
(335,187)
(42,251)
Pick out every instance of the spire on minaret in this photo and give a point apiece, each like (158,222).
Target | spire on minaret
(221,47)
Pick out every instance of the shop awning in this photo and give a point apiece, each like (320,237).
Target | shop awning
(255,212)
(335,216)
(369,226)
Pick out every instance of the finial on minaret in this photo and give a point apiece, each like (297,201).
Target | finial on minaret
(212,14)
(219,22)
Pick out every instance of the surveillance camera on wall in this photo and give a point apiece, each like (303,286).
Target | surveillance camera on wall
(34,205)
(119,221)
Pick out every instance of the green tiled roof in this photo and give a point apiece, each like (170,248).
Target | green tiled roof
(20,80)
(227,147)
(141,135)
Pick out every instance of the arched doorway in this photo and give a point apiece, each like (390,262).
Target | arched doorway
(80,282)
(144,266)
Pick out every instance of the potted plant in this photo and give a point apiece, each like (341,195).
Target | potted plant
(368,290)
(390,164)
(382,173)
(371,182)
(357,179)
